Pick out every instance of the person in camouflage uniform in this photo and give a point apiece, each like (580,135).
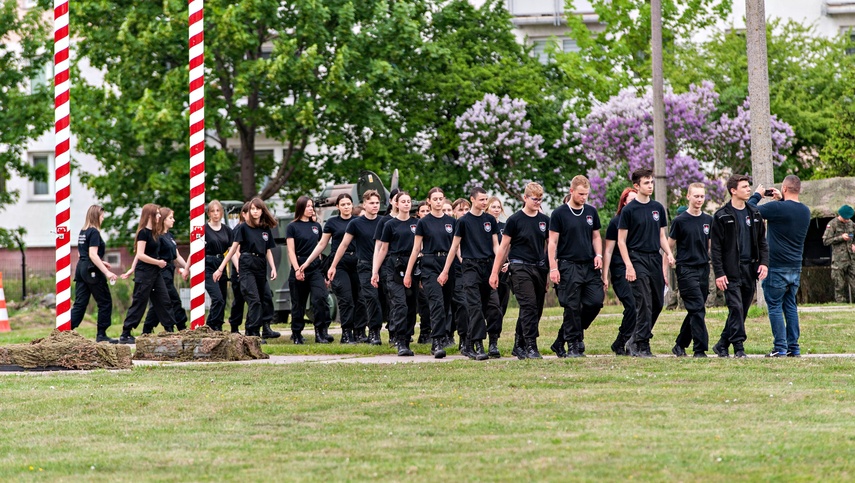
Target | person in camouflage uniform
(838,234)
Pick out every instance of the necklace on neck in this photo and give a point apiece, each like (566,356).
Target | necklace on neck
(581,210)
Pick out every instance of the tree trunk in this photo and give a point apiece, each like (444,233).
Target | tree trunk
(246,158)
(660,189)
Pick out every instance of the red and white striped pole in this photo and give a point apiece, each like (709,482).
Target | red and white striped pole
(62,135)
(197,163)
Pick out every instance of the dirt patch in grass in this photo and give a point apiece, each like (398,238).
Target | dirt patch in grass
(202,344)
(65,350)
(32,317)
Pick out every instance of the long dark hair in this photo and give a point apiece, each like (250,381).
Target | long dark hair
(149,215)
(300,207)
(267,220)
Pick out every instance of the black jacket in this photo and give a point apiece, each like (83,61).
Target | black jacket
(724,242)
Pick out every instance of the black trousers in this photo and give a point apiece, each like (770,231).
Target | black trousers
(345,286)
(236,312)
(485,315)
(369,296)
(648,289)
(529,284)
(402,300)
(313,285)
(85,285)
(178,312)
(623,291)
(423,309)
(504,290)
(256,291)
(216,291)
(148,285)
(693,282)
(581,294)
(459,307)
(738,296)
(438,296)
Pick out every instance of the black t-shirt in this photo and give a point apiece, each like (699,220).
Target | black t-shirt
(528,236)
(692,234)
(152,247)
(437,233)
(362,230)
(218,242)
(378,231)
(611,234)
(336,226)
(399,235)
(168,249)
(575,231)
(254,240)
(643,222)
(500,230)
(743,221)
(306,235)
(476,233)
(90,237)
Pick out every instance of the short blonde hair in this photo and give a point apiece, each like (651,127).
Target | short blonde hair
(534,189)
(579,180)
(696,185)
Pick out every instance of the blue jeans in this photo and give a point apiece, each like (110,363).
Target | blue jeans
(779,289)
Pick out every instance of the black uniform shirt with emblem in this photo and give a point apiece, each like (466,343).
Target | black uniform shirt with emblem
(743,221)
(254,240)
(643,222)
(336,226)
(168,250)
(152,247)
(378,231)
(399,235)
(437,233)
(476,235)
(306,235)
(575,231)
(692,234)
(90,237)
(218,242)
(362,230)
(611,234)
(528,236)
(500,230)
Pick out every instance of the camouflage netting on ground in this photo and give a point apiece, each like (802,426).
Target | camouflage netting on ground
(67,350)
(202,344)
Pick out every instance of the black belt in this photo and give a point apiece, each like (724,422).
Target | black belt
(435,254)
(350,253)
(575,262)
(478,260)
(252,254)
(215,256)
(522,262)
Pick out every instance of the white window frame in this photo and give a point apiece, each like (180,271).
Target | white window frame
(51,186)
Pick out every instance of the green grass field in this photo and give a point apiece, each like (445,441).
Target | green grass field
(598,418)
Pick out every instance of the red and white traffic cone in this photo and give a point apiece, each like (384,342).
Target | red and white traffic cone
(4,314)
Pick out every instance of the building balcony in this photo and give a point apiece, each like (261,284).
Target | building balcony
(547,12)
(833,8)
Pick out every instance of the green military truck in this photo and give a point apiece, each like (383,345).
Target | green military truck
(324,209)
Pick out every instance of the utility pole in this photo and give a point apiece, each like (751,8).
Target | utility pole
(660,187)
(758,91)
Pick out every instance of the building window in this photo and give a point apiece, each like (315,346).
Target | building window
(113,258)
(42,189)
(42,80)
(849,33)
(562,44)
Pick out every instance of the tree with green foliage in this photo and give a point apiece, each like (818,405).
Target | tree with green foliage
(838,155)
(300,73)
(805,83)
(25,107)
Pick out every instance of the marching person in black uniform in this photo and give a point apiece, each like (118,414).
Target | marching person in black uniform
(740,256)
(148,283)
(346,286)
(575,260)
(397,242)
(434,234)
(92,274)
(302,236)
(255,241)
(614,271)
(236,313)
(360,231)
(475,237)
(425,336)
(690,234)
(168,252)
(495,208)
(218,239)
(641,234)
(524,248)
(459,310)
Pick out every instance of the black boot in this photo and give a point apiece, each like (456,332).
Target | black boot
(296,337)
(531,349)
(319,337)
(127,338)
(180,326)
(493,350)
(632,348)
(374,337)
(255,332)
(424,337)
(359,336)
(448,342)
(103,337)
(573,350)
(235,329)
(478,351)
(580,346)
(619,346)
(404,347)
(436,349)
(518,351)
(346,335)
(466,349)
(268,333)
(558,348)
(326,334)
